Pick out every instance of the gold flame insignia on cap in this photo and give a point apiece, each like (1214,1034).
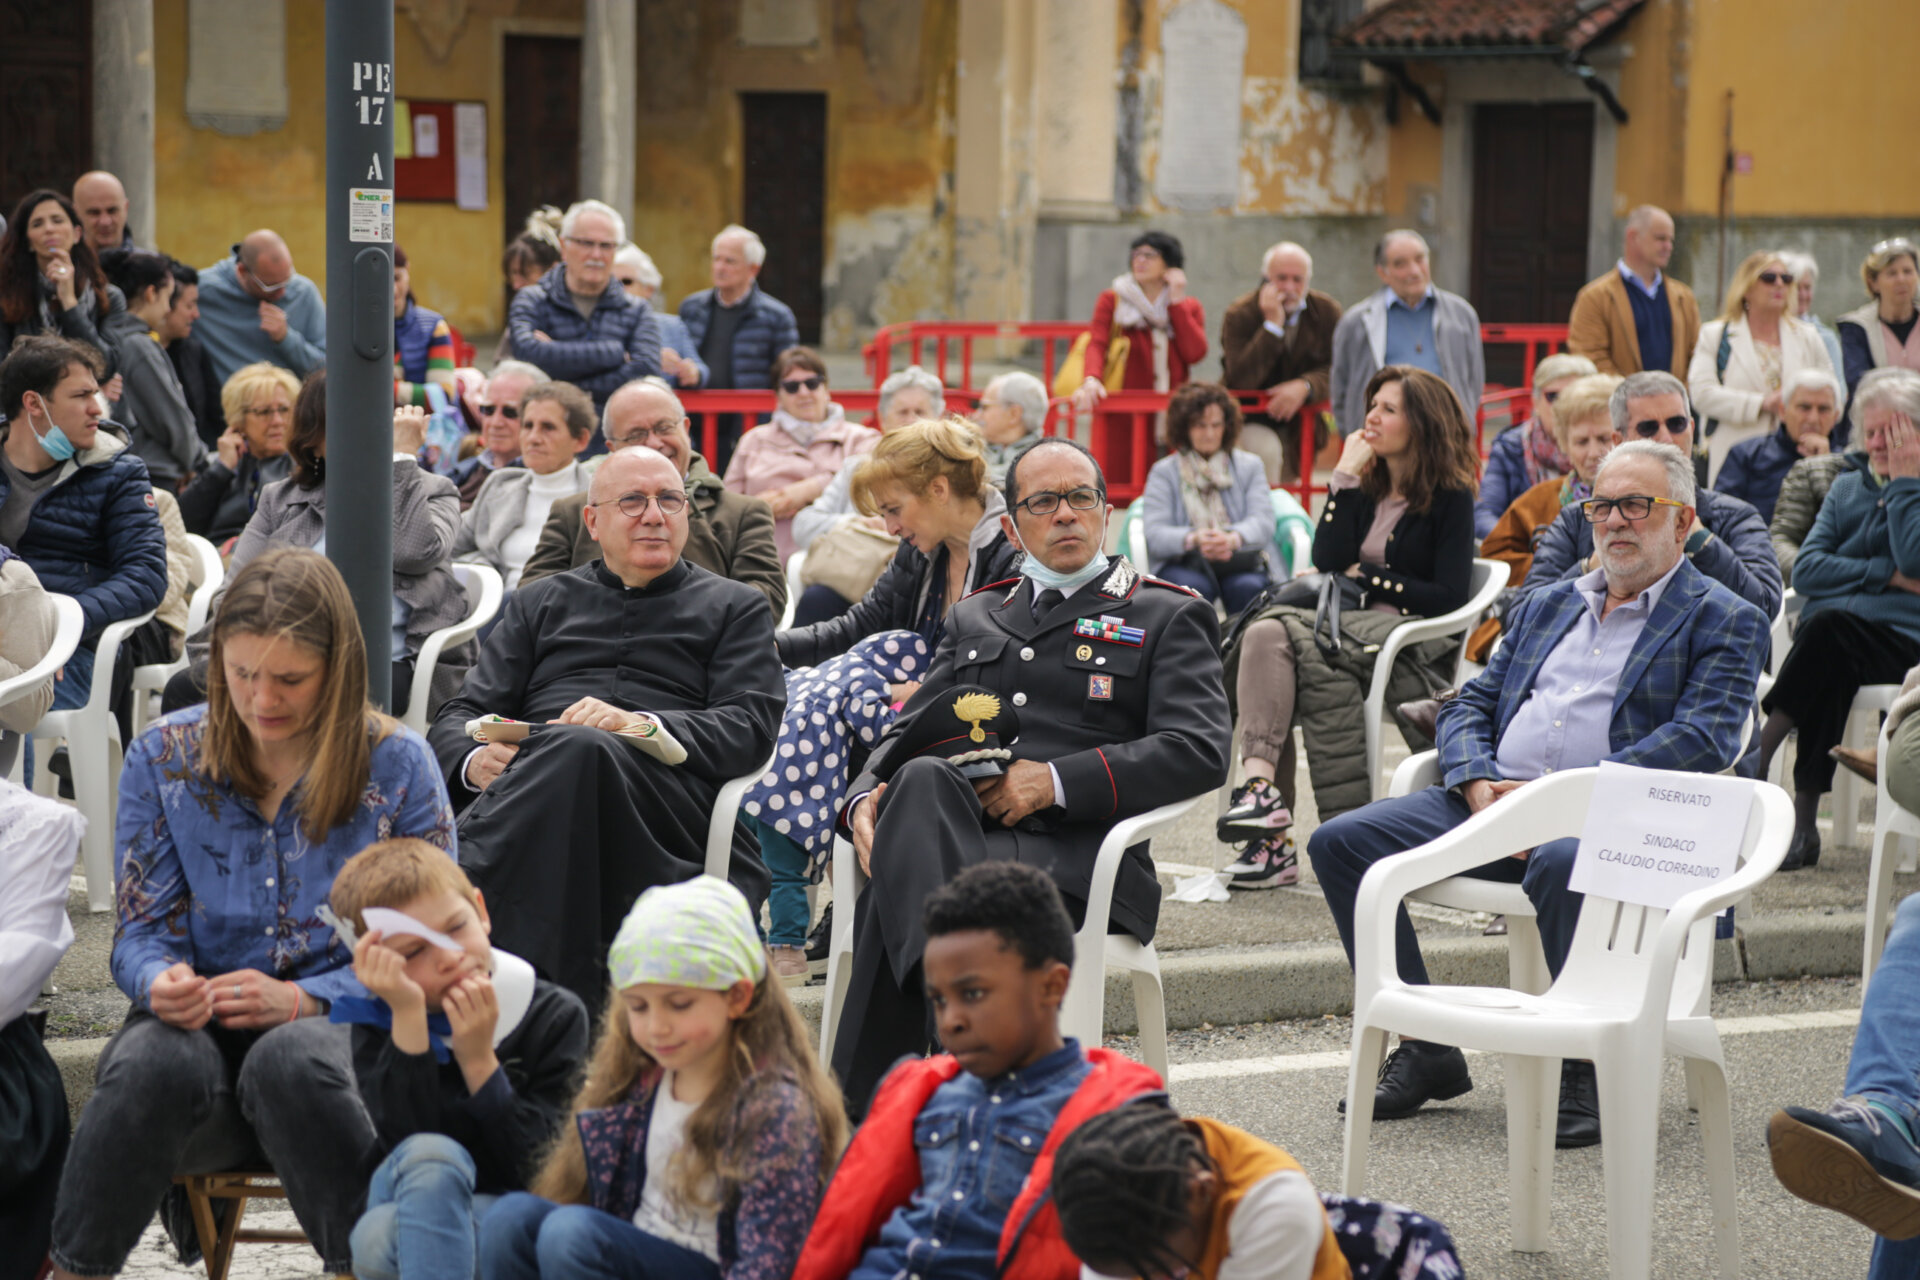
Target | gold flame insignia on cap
(975,707)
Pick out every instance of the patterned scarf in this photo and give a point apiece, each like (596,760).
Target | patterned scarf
(1541,455)
(1204,483)
(1575,490)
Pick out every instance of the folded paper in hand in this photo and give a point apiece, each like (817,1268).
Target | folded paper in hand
(645,733)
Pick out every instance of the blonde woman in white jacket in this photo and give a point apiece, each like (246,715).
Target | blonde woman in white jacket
(1740,387)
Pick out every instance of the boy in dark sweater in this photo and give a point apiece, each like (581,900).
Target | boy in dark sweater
(466,1061)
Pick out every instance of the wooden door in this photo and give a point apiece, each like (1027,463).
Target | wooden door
(46,97)
(1532,173)
(784,199)
(542,126)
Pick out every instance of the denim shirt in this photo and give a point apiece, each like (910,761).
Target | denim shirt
(202,877)
(976,1141)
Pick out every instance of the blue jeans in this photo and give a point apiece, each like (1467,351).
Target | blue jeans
(1343,848)
(422,1214)
(786,860)
(526,1238)
(1886,1058)
(1235,590)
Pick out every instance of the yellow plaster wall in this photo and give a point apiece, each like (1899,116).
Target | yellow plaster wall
(1413,147)
(889,149)
(1301,151)
(1651,152)
(212,189)
(1822,100)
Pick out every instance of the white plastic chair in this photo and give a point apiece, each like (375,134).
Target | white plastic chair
(1891,822)
(69,621)
(92,735)
(484,590)
(1489,579)
(1863,729)
(151,679)
(726,811)
(1632,990)
(1084,1012)
(795,563)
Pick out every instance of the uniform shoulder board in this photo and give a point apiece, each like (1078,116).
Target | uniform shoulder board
(1004,582)
(1171,586)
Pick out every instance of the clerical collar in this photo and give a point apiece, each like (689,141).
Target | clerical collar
(668,581)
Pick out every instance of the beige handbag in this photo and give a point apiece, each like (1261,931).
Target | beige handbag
(848,559)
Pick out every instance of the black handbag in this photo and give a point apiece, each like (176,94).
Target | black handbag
(1327,594)
(1337,592)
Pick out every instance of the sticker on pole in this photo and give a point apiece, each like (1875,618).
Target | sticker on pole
(1653,836)
(370,215)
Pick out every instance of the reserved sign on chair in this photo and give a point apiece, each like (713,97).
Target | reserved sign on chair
(1653,836)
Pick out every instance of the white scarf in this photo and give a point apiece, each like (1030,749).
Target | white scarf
(804,432)
(1131,310)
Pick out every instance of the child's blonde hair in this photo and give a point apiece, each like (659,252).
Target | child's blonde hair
(708,1171)
(392,873)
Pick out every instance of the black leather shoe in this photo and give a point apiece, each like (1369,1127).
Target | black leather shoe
(1411,1077)
(1804,851)
(1579,1123)
(820,943)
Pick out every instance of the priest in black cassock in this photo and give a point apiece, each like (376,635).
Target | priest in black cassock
(563,831)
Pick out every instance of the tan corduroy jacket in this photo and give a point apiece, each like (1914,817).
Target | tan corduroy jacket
(1601,327)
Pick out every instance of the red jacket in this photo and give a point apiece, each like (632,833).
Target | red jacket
(1186,346)
(880,1172)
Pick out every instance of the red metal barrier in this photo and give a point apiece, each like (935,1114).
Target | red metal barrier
(1516,401)
(1122,439)
(1055,338)
(1540,341)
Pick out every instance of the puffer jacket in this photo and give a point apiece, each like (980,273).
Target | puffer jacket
(765,331)
(1801,494)
(599,353)
(895,601)
(94,535)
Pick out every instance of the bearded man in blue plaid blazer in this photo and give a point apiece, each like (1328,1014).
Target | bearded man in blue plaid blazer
(1645,661)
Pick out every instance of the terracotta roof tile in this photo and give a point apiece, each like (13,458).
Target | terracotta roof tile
(1443,24)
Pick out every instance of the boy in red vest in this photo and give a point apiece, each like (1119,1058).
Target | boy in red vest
(947,1178)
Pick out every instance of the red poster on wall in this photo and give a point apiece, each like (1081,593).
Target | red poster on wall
(423,151)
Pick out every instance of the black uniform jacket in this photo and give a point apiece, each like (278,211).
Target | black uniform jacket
(1130,723)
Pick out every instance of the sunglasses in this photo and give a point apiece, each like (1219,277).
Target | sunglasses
(1776,277)
(511,412)
(794,386)
(1549,396)
(1900,243)
(1648,428)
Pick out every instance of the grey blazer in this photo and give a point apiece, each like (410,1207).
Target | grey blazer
(426,520)
(1360,338)
(496,512)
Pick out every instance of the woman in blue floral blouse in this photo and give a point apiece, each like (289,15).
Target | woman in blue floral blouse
(234,817)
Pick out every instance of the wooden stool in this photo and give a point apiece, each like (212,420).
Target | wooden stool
(239,1186)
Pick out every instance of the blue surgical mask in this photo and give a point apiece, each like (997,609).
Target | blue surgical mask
(55,441)
(1067,583)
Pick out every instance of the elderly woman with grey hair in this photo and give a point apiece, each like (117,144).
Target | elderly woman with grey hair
(911,395)
(1859,570)
(1806,275)
(1525,454)
(1010,414)
(634,271)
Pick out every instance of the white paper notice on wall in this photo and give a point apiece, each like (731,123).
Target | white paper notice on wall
(1653,836)
(426,136)
(1205,44)
(470,155)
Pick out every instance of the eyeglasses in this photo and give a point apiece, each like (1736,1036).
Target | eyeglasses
(269,411)
(511,412)
(794,386)
(665,429)
(1045,504)
(604,246)
(1776,277)
(1648,428)
(634,505)
(1633,506)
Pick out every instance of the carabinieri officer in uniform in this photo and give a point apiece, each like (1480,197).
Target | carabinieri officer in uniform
(1114,678)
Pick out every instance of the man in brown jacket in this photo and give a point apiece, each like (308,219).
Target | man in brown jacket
(1634,317)
(727,533)
(1279,339)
